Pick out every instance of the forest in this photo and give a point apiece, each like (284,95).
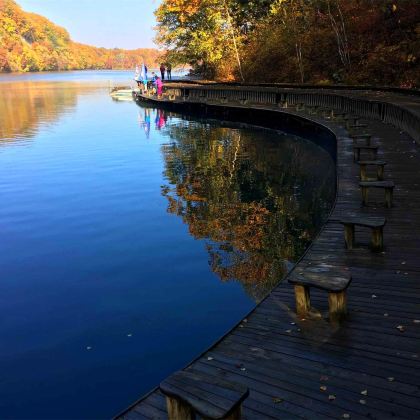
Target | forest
(30,42)
(373,42)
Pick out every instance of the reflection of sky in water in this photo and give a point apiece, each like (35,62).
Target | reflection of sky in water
(118,223)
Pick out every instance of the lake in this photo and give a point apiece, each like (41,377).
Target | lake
(133,238)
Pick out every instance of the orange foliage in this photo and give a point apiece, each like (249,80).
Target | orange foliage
(30,42)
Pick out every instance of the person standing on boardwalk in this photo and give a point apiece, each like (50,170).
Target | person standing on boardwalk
(159,84)
(162,71)
(169,71)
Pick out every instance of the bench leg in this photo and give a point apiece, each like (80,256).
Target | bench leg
(235,415)
(388,197)
(356,155)
(349,236)
(337,306)
(365,191)
(363,176)
(178,410)
(377,239)
(303,300)
(380,173)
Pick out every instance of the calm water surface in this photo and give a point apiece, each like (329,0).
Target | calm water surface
(131,239)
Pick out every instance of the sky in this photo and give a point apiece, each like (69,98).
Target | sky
(124,24)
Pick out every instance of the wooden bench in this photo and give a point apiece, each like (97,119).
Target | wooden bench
(312,109)
(351,119)
(388,186)
(190,392)
(380,164)
(334,280)
(338,114)
(357,148)
(356,126)
(375,223)
(367,137)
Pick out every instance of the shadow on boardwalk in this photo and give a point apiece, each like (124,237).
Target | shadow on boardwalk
(370,366)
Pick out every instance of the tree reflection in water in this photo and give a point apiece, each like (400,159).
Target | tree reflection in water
(257,197)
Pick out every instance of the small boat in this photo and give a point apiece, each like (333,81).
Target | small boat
(122,93)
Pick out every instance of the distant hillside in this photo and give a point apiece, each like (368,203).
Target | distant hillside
(30,42)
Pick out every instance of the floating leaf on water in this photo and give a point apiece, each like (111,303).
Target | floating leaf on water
(293,323)
(403,263)
(289,331)
(364,392)
(209,358)
(129,335)
(362,402)
(346,416)
(391,379)
(88,348)
(331,397)
(385,314)
(277,400)
(242,368)
(401,328)
(323,388)
(374,296)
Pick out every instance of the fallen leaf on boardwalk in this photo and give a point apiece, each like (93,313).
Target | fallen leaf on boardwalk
(293,323)
(391,379)
(416,321)
(374,296)
(403,263)
(289,331)
(323,388)
(88,348)
(278,400)
(129,335)
(331,397)
(385,314)
(346,416)
(242,368)
(241,326)
(364,392)
(323,378)
(362,402)
(209,358)
(245,320)
(401,328)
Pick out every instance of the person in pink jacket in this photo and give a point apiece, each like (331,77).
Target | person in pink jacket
(159,84)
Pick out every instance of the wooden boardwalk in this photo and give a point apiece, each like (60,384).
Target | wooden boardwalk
(370,366)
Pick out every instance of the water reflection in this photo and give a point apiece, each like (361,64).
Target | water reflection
(28,105)
(255,196)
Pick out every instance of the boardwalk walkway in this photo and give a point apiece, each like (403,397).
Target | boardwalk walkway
(370,367)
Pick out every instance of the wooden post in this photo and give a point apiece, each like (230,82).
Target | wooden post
(178,410)
(377,239)
(388,197)
(349,236)
(365,194)
(337,306)
(303,300)
(236,414)
(380,172)
(363,176)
